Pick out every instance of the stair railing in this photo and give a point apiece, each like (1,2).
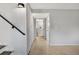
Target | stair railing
(13,26)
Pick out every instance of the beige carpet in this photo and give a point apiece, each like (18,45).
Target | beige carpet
(40,47)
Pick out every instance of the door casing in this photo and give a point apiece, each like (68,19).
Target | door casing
(46,21)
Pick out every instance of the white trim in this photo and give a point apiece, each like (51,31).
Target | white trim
(61,44)
(42,15)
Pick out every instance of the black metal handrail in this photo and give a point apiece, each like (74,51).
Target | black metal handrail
(13,26)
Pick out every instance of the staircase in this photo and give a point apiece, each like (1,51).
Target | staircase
(4,50)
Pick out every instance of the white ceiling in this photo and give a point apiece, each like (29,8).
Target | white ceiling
(54,5)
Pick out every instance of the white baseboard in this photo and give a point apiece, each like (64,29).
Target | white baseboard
(62,44)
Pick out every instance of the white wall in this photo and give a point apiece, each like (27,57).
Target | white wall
(64,27)
(5,28)
(54,5)
(30,28)
(11,37)
(19,19)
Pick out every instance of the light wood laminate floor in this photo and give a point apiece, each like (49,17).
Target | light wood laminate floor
(40,47)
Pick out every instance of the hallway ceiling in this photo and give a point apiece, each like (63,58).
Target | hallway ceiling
(54,5)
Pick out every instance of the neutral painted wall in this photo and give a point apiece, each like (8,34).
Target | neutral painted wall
(64,27)
(19,19)
(5,28)
(11,37)
(54,6)
(30,28)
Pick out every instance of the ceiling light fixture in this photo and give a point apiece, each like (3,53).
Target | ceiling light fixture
(21,5)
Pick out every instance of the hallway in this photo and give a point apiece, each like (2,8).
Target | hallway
(61,29)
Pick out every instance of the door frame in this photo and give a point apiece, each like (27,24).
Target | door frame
(44,22)
(46,17)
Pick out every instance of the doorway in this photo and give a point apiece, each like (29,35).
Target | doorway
(41,27)
(42,18)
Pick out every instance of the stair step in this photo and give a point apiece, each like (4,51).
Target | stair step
(2,46)
(6,53)
(5,48)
